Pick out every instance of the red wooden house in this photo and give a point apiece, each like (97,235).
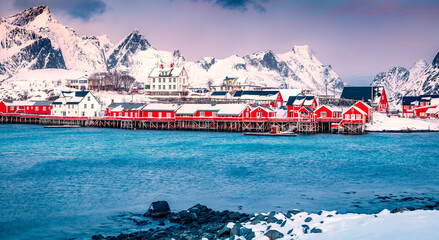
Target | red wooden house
(129,110)
(424,112)
(354,115)
(26,107)
(365,108)
(416,106)
(160,110)
(214,110)
(326,113)
(262,112)
(296,103)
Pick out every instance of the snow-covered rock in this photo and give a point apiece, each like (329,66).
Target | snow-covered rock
(421,78)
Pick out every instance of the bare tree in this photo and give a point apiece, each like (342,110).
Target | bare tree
(111,80)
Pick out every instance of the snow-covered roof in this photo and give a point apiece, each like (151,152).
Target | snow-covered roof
(161,107)
(231,109)
(356,108)
(125,106)
(332,109)
(433,110)
(287,93)
(262,107)
(221,109)
(168,72)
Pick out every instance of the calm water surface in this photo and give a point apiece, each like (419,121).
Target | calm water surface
(73,183)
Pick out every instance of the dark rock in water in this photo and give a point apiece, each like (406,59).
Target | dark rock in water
(290,213)
(193,216)
(305,228)
(225,231)
(274,234)
(283,223)
(320,212)
(316,230)
(158,209)
(235,229)
(308,219)
(97,237)
(330,215)
(143,223)
(290,231)
(161,222)
(235,216)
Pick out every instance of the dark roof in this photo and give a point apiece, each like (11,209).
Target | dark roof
(255,93)
(127,106)
(42,103)
(407,100)
(219,93)
(77,93)
(360,93)
(291,99)
(56,102)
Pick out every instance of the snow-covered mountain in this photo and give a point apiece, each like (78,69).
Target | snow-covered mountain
(421,78)
(33,39)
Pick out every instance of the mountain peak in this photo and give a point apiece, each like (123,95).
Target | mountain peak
(26,16)
(303,50)
(436,61)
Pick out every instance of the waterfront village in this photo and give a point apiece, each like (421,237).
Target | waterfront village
(228,104)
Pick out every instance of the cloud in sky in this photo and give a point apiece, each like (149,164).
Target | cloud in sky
(241,5)
(82,9)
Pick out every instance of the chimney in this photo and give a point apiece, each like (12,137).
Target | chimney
(112,101)
(161,66)
(172,65)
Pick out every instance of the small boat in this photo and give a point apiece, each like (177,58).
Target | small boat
(273,133)
(62,126)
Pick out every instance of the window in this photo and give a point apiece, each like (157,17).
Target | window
(150,114)
(44,108)
(323,114)
(12,108)
(174,87)
(168,115)
(160,114)
(96,114)
(36,108)
(358,116)
(88,99)
(347,116)
(160,80)
(164,87)
(92,106)
(259,114)
(160,86)
(174,79)
(126,114)
(153,86)
(120,114)
(153,80)
(27,108)
(214,114)
(353,116)
(201,114)
(83,114)
(85,106)
(135,114)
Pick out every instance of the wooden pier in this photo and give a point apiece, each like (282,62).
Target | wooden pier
(230,124)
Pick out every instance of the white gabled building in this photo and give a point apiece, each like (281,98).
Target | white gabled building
(80,83)
(76,104)
(167,81)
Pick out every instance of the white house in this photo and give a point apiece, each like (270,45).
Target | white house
(167,81)
(76,104)
(80,83)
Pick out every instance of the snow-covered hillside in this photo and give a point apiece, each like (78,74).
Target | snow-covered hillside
(33,39)
(421,78)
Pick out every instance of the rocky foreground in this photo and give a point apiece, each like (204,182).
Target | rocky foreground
(201,222)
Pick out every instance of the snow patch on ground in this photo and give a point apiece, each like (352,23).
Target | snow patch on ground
(381,122)
(420,224)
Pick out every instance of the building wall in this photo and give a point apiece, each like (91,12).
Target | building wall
(157,114)
(88,107)
(168,84)
(260,113)
(364,108)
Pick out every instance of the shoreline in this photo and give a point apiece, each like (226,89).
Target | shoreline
(201,222)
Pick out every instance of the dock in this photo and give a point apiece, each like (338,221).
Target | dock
(228,124)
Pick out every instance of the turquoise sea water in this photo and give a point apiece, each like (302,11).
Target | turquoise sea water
(74,183)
